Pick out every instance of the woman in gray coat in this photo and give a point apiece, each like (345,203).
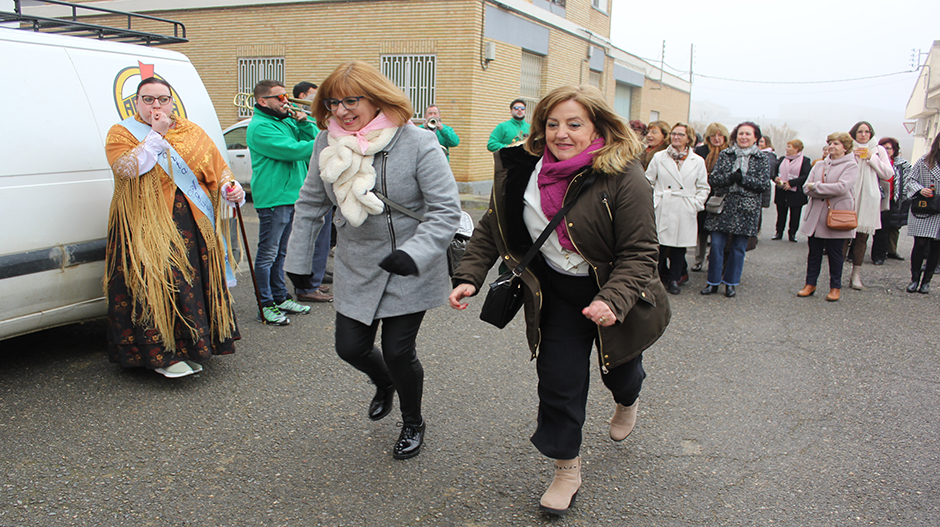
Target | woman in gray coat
(830,185)
(389,266)
(925,228)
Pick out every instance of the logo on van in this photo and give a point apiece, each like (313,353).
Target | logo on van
(125,89)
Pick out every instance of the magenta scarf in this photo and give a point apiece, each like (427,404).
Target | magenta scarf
(553,181)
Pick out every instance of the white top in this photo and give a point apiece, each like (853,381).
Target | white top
(558,258)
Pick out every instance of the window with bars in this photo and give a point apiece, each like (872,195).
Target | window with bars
(594,78)
(254,69)
(530,79)
(416,75)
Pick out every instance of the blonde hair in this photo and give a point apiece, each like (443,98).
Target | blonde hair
(796,143)
(621,145)
(842,137)
(689,133)
(354,78)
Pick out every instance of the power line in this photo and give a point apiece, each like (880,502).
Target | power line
(804,82)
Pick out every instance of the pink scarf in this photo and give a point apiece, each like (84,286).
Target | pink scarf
(790,167)
(380,122)
(553,181)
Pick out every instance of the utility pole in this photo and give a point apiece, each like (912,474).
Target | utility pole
(691,59)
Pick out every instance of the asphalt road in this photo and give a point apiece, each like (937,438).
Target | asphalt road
(765,409)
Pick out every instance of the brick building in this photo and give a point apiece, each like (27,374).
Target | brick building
(470,57)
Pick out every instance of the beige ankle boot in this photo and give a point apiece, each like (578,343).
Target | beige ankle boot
(623,421)
(561,493)
(856,280)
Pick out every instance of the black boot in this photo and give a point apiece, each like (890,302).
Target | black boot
(673,287)
(709,290)
(409,441)
(381,404)
(778,236)
(729,291)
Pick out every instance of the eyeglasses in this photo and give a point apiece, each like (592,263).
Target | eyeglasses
(148,99)
(282,97)
(518,107)
(677,134)
(350,103)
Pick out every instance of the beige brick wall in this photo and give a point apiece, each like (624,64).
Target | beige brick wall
(473,100)
(672,104)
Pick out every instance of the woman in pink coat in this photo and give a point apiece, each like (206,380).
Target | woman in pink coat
(830,185)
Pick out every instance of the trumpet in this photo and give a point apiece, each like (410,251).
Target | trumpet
(432,124)
(245,100)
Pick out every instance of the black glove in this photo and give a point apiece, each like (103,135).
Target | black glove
(399,263)
(736,177)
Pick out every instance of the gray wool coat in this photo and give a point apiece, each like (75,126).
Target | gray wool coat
(417,176)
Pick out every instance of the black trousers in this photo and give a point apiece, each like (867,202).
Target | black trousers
(835,249)
(930,248)
(396,363)
(564,363)
(672,262)
(794,210)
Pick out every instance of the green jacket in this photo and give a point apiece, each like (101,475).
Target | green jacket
(446,136)
(507,133)
(280,152)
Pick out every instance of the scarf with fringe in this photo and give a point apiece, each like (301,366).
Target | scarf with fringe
(140,225)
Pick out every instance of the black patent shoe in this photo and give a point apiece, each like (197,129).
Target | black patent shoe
(697,268)
(381,404)
(778,236)
(924,288)
(409,441)
(709,290)
(912,287)
(729,291)
(895,256)
(673,288)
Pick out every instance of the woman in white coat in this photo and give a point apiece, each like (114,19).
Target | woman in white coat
(680,188)
(872,192)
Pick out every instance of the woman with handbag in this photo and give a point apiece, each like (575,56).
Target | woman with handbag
(716,140)
(923,226)
(790,176)
(884,244)
(829,187)
(739,178)
(680,188)
(389,266)
(593,279)
(871,192)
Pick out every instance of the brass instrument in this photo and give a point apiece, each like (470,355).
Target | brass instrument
(245,101)
(432,124)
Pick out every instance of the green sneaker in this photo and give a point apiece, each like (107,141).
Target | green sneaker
(272,315)
(289,306)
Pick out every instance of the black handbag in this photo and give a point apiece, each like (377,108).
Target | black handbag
(505,295)
(921,206)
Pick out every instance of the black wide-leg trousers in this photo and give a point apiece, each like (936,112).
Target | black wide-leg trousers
(564,362)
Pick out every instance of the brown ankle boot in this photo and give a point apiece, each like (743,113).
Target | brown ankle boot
(623,421)
(561,493)
(807,290)
(834,295)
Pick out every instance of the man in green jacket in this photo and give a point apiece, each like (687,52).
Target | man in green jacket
(280,139)
(446,135)
(511,131)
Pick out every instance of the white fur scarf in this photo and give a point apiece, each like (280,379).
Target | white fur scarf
(351,173)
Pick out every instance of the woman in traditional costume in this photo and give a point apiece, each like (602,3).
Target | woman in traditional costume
(167,268)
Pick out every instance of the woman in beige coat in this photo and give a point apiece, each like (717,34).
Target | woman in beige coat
(830,185)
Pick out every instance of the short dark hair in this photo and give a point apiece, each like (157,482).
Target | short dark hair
(303,87)
(154,80)
(854,129)
(734,133)
(513,103)
(264,87)
(895,147)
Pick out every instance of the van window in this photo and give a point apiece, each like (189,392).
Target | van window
(236,138)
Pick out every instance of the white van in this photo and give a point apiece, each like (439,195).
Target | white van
(63,94)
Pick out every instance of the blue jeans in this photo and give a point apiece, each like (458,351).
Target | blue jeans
(273,233)
(716,258)
(321,253)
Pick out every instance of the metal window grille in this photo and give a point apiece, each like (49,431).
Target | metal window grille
(416,75)
(595,79)
(530,78)
(255,69)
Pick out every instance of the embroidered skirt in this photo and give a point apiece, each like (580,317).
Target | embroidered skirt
(134,345)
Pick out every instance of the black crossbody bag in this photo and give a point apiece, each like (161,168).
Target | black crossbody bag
(505,295)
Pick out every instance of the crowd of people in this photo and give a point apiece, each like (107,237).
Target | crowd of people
(634,198)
